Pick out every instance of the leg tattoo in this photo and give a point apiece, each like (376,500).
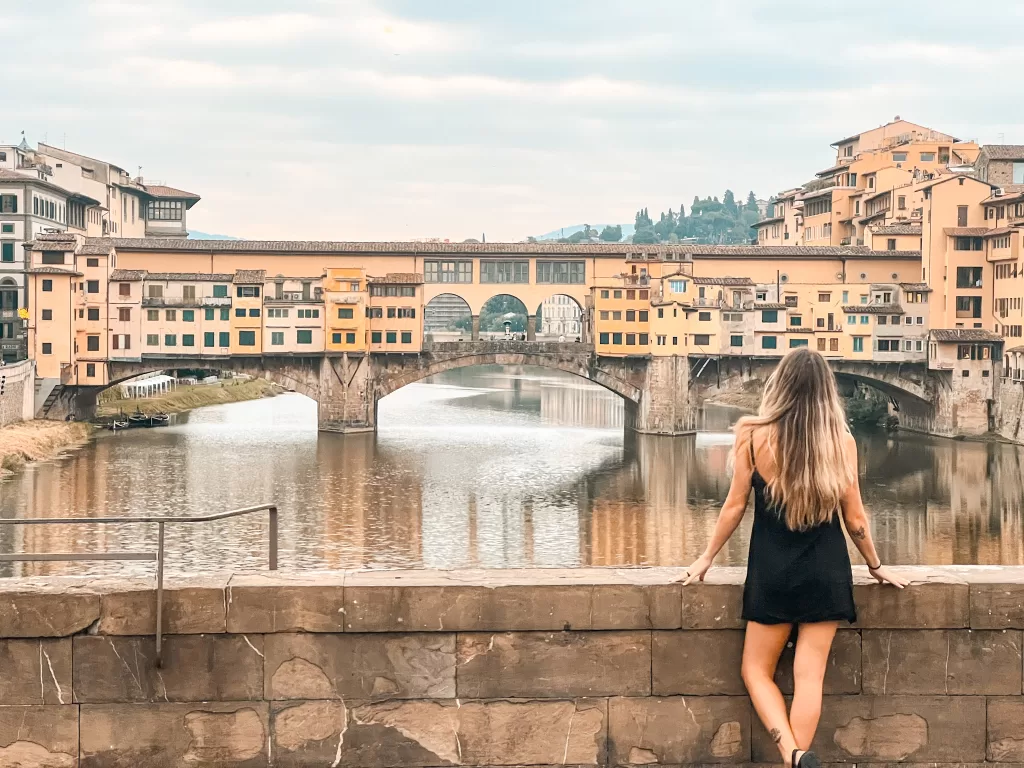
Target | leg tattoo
(776,735)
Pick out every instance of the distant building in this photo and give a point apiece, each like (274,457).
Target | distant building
(561,316)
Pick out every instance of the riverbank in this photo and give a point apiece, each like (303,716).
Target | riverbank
(38,440)
(186,398)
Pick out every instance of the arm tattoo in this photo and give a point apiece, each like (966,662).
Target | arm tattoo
(776,735)
(859,534)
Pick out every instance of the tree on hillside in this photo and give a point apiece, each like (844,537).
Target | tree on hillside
(612,234)
(751,201)
(729,202)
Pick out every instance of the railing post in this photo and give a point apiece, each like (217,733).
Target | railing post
(159,594)
(273,538)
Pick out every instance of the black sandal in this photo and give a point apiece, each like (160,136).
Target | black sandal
(807,760)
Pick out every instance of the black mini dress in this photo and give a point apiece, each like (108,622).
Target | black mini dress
(795,577)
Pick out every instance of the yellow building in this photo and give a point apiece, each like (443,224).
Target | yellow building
(347,310)
(396,312)
(247,312)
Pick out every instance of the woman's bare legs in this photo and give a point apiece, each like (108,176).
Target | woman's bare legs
(812,647)
(761,650)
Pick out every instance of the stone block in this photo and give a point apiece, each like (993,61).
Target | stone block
(192,606)
(196,668)
(842,671)
(954,662)
(173,735)
(997,606)
(511,600)
(713,606)
(35,672)
(308,733)
(272,602)
(397,734)
(697,663)
(553,664)
(928,605)
(1006,729)
(891,729)
(363,666)
(39,737)
(678,730)
(45,608)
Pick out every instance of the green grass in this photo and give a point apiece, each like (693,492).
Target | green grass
(188,397)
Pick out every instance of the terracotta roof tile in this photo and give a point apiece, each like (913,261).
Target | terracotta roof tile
(249,276)
(966,231)
(769,305)
(722,281)
(916,287)
(94,249)
(873,309)
(53,271)
(964,334)
(402,278)
(1004,151)
(159,190)
(194,277)
(1002,231)
(127,275)
(897,229)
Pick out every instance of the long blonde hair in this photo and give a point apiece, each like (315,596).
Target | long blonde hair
(807,432)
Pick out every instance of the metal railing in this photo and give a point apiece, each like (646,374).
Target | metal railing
(156,557)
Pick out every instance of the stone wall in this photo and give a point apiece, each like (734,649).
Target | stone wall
(590,667)
(17,382)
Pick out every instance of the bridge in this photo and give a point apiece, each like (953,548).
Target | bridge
(661,394)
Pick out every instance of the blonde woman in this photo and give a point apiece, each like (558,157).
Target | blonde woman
(801,460)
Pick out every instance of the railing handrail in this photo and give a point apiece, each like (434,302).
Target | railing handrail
(157,557)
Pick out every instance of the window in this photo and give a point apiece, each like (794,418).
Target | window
(7,251)
(92,262)
(561,272)
(172,314)
(604,294)
(825,297)
(153,315)
(631,295)
(188,340)
(833,345)
(92,343)
(406,312)
(407,291)
(888,345)
(220,291)
(92,286)
(644,340)
(350,338)
(604,314)
(616,338)
(8,204)
(247,338)
(354,286)
(821,345)
(225,314)
(702,339)
(504,272)
(704,317)
(769,316)
(920,320)
(796,320)
(254,313)
(372,312)
(375,337)
(882,320)
(307,313)
(968,277)
(968,306)
(93,313)
(248,292)
(901,202)
(927,157)
(789,301)
(677,286)
(155,291)
(617,315)
(170,340)
(794,343)
(642,315)
(603,338)
(675,341)
(407,337)
(391,337)
(209,338)
(918,346)
(47,314)
(240,312)
(735,341)
(47,286)
(304,336)
(899,157)
(224,339)
(858,343)
(894,320)
(335,338)
(768,342)
(891,244)
(188,315)
(90,370)
(209,313)
(53,257)
(124,289)
(864,319)
(447,272)
(908,345)
(47,348)
(345,313)
(392,313)
(188,292)
(851,319)
(165,210)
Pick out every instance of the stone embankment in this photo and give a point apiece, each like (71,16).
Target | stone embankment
(186,398)
(38,440)
(589,667)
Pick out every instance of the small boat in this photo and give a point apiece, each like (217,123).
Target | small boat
(159,420)
(138,419)
(115,425)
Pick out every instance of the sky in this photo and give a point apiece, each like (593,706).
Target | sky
(401,119)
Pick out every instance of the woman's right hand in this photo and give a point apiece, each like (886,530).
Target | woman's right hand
(697,570)
(884,576)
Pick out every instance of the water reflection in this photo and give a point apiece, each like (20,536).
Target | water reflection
(481,467)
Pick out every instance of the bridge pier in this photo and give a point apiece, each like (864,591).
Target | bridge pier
(346,402)
(664,406)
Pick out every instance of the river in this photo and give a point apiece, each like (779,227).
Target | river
(481,467)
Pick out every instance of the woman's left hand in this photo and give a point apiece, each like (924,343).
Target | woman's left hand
(884,576)
(697,570)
